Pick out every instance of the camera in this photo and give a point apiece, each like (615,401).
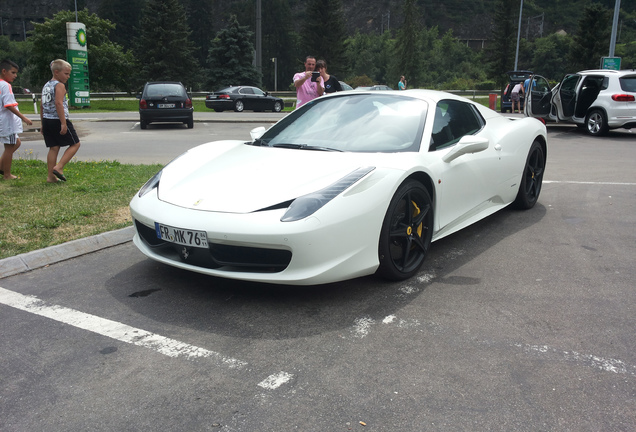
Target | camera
(314,76)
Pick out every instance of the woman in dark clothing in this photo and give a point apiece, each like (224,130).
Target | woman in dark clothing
(332,84)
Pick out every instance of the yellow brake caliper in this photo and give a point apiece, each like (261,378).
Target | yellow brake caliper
(416,211)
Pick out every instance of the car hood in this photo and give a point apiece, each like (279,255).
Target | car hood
(233,177)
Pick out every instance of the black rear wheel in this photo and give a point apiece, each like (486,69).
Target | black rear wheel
(531,179)
(406,232)
(239,106)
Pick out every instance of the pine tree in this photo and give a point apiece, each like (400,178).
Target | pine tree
(199,13)
(231,56)
(502,51)
(408,61)
(280,41)
(324,34)
(164,49)
(125,14)
(592,39)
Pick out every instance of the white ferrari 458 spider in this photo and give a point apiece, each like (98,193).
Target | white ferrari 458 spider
(348,185)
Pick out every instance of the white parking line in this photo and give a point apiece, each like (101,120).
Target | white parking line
(276,380)
(113,329)
(590,183)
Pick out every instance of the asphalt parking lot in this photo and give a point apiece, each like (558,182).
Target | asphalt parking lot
(525,321)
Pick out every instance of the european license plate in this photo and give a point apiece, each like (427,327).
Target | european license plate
(182,236)
(165,105)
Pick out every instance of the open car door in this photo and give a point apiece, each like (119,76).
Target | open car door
(564,99)
(539,99)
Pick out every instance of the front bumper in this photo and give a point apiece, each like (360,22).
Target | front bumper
(329,246)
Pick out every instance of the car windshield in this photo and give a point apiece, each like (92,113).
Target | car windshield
(354,123)
(163,90)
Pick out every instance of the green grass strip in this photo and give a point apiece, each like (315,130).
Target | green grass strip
(35,214)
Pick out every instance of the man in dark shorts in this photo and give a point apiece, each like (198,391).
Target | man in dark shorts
(57,129)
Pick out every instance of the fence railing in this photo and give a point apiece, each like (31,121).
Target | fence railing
(282,94)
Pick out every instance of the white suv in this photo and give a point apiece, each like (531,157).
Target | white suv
(595,100)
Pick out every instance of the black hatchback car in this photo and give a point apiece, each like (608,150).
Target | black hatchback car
(241,98)
(165,101)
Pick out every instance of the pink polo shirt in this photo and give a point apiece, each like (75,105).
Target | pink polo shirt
(306,92)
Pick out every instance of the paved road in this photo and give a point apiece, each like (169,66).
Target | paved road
(524,321)
(106,136)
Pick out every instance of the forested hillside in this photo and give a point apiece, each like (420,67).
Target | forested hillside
(468,19)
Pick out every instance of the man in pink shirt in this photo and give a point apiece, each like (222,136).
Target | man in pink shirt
(306,89)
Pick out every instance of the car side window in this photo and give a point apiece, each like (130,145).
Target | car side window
(246,91)
(453,120)
(569,84)
(258,92)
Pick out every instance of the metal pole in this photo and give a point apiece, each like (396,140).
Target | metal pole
(518,35)
(617,8)
(259,58)
(275,60)
(76,11)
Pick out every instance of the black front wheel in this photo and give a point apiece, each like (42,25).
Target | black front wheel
(278,106)
(531,179)
(406,232)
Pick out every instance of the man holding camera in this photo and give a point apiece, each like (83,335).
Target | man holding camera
(308,84)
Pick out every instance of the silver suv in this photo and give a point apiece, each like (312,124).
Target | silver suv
(594,100)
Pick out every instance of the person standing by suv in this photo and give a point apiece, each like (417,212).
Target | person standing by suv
(516,97)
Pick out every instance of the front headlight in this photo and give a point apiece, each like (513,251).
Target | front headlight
(154,181)
(150,184)
(307,205)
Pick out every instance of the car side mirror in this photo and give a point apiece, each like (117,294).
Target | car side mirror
(258,132)
(467,144)
(266,93)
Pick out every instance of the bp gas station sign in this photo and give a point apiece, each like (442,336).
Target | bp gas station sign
(77,56)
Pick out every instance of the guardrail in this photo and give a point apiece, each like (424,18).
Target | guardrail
(282,94)
(289,95)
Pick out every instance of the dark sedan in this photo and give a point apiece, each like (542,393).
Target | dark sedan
(375,87)
(242,98)
(165,101)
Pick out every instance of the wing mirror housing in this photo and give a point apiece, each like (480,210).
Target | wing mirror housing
(258,132)
(467,144)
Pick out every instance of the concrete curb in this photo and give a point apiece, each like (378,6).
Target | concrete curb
(41,258)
